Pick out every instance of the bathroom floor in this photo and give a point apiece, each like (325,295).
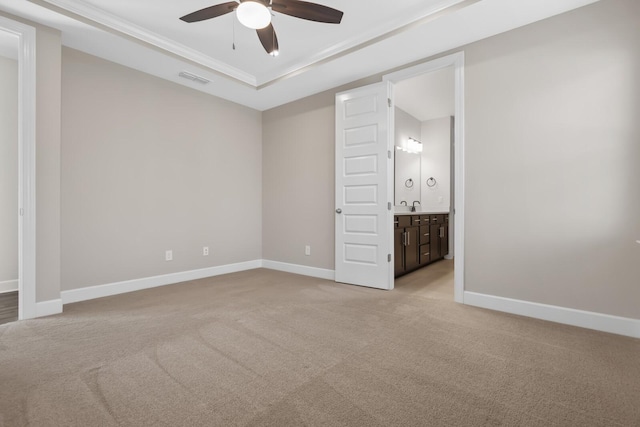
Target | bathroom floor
(8,307)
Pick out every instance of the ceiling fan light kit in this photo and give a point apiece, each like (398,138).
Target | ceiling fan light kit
(256,14)
(253,14)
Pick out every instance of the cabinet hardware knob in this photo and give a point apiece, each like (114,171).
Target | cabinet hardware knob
(339,211)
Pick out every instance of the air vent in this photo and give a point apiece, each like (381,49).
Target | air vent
(193,77)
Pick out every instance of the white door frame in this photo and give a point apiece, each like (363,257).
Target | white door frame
(27,165)
(457,61)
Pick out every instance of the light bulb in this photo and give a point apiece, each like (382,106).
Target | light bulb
(253,14)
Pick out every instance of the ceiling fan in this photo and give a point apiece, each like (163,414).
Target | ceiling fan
(256,14)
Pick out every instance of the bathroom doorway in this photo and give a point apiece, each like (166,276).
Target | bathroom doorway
(428,104)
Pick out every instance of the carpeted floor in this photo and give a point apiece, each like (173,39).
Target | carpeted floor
(268,348)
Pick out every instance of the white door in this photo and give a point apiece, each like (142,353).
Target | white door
(364,183)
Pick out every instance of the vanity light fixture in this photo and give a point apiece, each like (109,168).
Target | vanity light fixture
(253,14)
(410,145)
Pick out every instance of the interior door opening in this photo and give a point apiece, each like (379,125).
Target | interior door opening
(428,133)
(9,182)
(424,118)
(25,37)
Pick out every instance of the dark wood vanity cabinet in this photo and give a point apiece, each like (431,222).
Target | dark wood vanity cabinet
(419,240)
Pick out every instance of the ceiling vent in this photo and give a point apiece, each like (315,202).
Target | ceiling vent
(193,77)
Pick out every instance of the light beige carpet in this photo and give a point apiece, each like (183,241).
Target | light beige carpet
(269,348)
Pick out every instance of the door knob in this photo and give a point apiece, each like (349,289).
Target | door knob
(338,211)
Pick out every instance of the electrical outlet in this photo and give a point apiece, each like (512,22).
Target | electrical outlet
(168,256)
(307,250)
(205,251)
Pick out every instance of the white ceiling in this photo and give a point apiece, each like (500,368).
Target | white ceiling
(374,36)
(427,96)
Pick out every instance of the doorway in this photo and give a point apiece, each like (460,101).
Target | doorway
(441,190)
(424,114)
(24,38)
(364,226)
(9,282)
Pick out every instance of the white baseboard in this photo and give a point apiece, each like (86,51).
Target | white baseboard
(585,319)
(99,291)
(8,286)
(304,270)
(48,308)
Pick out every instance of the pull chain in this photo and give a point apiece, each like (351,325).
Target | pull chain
(233,45)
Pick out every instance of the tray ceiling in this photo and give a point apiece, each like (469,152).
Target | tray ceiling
(374,36)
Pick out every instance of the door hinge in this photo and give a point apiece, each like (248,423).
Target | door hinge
(389,206)
(389,102)
(389,154)
(21,212)
(389,258)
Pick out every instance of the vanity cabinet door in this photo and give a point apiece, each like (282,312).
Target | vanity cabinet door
(411,248)
(398,251)
(444,240)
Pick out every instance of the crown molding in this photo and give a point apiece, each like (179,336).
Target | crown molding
(74,9)
(365,40)
(98,17)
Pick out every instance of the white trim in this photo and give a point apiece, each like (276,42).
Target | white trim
(48,308)
(26,166)
(304,270)
(109,289)
(569,316)
(9,286)
(127,28)
(75,9)
(457,61)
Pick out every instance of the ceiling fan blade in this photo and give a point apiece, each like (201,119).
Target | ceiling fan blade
(309,11)
(268,38)
(210,12)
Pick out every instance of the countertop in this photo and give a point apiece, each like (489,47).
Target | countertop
(420,213)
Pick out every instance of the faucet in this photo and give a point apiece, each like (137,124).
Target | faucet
(413,207)
(404,201)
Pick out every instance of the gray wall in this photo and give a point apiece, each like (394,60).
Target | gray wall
(149,166)
(48,64)
(8,171)
(553,207)
(436,163)
(298,180)
(553,172)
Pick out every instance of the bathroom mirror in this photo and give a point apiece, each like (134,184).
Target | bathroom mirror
(407,178)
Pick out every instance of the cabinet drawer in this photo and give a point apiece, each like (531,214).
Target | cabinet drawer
(437,219)
(425,254)
(415,220)
(404,221)
(424,234)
